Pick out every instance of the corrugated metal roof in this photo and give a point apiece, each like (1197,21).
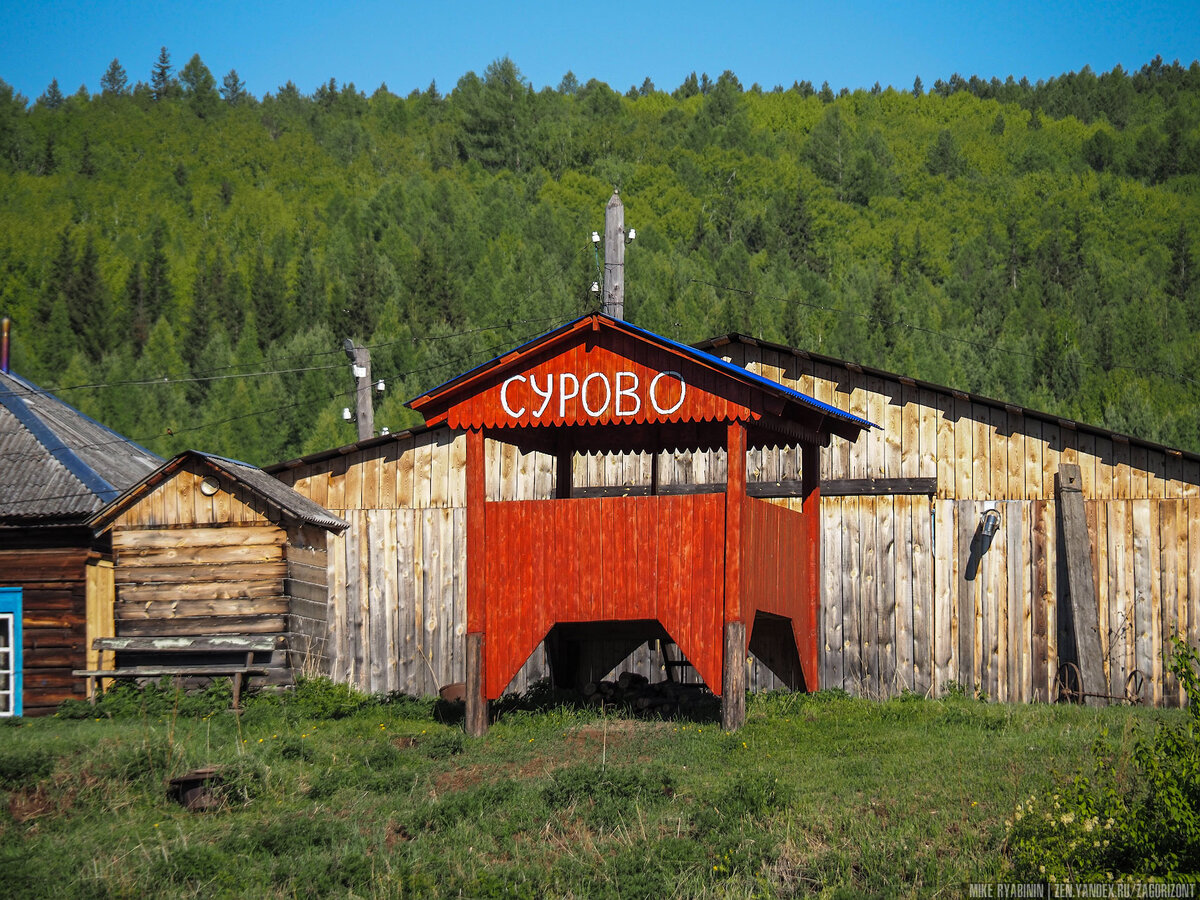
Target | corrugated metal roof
(278,493)
(57,465)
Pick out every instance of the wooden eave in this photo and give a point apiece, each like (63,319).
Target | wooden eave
(724,393)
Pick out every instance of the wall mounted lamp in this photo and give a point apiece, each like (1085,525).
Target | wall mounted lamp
(990,523)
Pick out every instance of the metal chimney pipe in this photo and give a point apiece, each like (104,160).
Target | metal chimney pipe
(5,325)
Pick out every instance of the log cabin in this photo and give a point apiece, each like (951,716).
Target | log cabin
(211,549)
(57,469)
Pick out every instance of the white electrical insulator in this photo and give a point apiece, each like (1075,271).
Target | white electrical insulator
(595,287)
(379,386)
(595,237)
(385,430)
(346,413)
(359,371)
(632,233)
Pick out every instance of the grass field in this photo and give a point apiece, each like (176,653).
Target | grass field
(326,793)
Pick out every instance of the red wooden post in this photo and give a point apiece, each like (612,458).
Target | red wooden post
(476,476)
(808,642)
(733,669)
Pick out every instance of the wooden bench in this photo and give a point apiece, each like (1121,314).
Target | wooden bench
(183,647)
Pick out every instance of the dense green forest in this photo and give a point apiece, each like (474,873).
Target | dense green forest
(182,260)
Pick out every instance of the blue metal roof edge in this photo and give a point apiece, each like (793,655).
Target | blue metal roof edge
(701,356)
(42,392)
(70,460)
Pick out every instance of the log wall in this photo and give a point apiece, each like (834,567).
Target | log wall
(53,582)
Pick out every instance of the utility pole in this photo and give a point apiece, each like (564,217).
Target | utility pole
(614,258)
(360,359)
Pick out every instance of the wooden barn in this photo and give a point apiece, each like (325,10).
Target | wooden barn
(57,468)
(214,559)
(913,594)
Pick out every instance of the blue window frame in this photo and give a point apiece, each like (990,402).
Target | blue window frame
(10,651)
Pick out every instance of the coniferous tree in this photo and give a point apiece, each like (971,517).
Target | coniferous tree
(114,82)
(52,98)
(233,89)
(162,84)
(199,87)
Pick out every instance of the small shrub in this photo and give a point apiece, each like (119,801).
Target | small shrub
(605,797)
(443,744)
(322,698)
(1118,824)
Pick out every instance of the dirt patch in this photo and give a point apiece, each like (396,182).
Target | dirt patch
(396,834)
(34,803)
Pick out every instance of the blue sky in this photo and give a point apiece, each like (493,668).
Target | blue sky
(407,45)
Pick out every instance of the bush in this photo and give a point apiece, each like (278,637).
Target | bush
(1139,824)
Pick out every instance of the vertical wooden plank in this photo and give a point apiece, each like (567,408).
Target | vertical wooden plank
(389,592)
(999,447)
(476,587)
(910,432)
(405,474)
(1087,463)
(885,597)
(902,573)
(458,470)
(388,475)
(439,469)
(945,584)
(869,535)
(423,470)
(1015,437)
(372,466)
(1034,449)
(947,455)
(833,672)
(1016,519)
(1041,597)
(893,424)
(997,611)
(928,414)
(823,390)
(981,451)
(860,450)
(1121,477)
(924,608)
(362,614)
(1139,472)
(1051,455)
(1097,520)
(964,435)
(354,481)
(1143,613)
(1120,581)
(1102,486)
(965,601)
(335,641)
(854,667)
(383,530)
(1168,568)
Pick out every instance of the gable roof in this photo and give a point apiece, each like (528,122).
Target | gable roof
(271,491)
(702,388)
(57,465)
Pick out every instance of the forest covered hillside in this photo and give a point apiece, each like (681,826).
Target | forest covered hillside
(182,260)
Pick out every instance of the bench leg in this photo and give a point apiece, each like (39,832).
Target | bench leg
(237,689)
(91,689)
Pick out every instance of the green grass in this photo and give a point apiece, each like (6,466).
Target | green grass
(331,794)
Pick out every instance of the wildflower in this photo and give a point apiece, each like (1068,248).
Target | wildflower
(1068,818)
(1089,824)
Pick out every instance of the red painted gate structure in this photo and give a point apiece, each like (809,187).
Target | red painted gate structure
(719,573)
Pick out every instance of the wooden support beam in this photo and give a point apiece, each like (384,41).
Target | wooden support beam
(476,473)
(733,677)
(1080,584)
(808,640)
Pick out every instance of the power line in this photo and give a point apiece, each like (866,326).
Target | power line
(1173,376)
